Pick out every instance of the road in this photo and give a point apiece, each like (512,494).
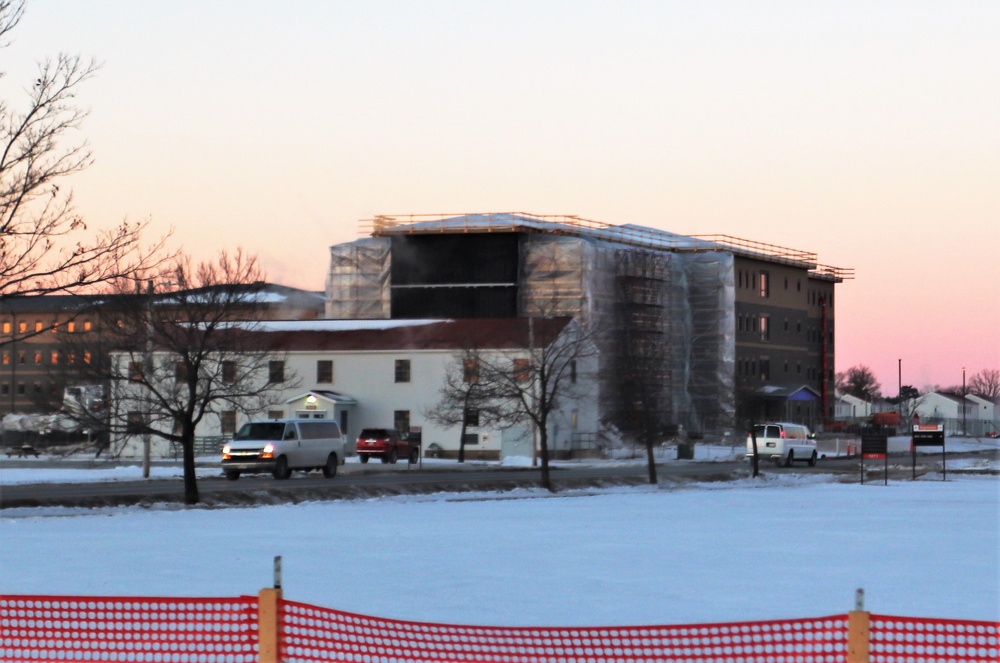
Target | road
(357,481)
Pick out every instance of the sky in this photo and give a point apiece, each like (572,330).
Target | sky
(868,133)
(528,558)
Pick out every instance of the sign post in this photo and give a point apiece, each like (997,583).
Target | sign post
(874,444)
(929,435)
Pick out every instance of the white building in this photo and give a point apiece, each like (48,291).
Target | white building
(973,415)
(389,373)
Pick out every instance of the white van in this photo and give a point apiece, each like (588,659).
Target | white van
(783,443)
(279,446)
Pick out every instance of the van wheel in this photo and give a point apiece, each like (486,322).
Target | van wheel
(330,469)
(812,460)
(281,470)
(232,475)
(363,458)
(393,456)
(414,456)
(791,458)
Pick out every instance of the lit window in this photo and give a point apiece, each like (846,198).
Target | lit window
(38,356)
(87,325)
(765,333)
(470,370)
(764,288)
(70,326)
(38,325)
(54,357)
(6,328)
(22,327)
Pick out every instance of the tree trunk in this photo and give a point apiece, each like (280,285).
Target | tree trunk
(650,462)
(543,443)
(190,480)
(461,445)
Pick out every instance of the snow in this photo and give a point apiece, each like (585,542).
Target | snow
(786,545)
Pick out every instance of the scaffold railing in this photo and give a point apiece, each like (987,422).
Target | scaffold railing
(571,224)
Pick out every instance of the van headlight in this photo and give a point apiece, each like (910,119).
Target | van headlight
(268,451)
(225,452)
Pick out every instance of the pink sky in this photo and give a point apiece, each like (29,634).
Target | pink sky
(866,132)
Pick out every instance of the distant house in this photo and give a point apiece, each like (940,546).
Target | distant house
(972,415)
(851,408)
(388,373)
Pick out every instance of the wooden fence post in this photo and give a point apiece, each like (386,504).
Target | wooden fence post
(267,625)
(858,630)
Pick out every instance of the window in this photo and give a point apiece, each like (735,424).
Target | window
(36,388)
(22,357)
(402,371)
(133,423)
(764,288)
(522,370)
(180,371)
(54,357)
(765,370)
(87,326)
(275,414)
(472,417)
(21,388)
(470,438)
(765,333)
(22,327)
(38,356)
(228,421)
(38,325)
(86,356)
(70,326)
(324,371)
(135,371)
(5,388)
(228,372)
(401,421)
(6,357)
(470,371)
(275,371)
(6,328)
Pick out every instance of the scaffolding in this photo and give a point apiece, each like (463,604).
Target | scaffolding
(655,299)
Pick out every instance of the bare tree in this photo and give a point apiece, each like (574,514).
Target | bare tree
(533,382)
(986,383)
(859,381)
(45,246)
(185,354)
(466,399)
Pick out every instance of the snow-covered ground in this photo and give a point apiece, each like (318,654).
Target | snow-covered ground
(787,545)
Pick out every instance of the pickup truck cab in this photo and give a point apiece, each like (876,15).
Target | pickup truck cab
(783,443)
(279,446)
(386,444)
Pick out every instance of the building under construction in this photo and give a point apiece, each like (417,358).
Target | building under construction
(692,329)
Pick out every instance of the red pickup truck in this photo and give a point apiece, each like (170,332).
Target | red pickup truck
(387,444)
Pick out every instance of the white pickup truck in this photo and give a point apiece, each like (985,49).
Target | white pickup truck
(279,446)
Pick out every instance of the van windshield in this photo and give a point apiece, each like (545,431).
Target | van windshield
(264,430)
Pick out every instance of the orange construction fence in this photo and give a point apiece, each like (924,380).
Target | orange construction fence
(269,629)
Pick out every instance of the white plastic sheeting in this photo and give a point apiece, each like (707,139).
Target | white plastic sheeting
(627,282)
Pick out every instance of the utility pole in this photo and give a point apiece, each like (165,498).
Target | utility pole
(964,402)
